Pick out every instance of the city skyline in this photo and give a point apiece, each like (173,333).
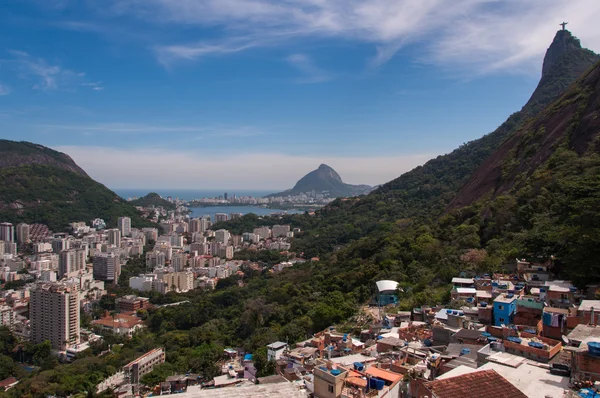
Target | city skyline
(258,93)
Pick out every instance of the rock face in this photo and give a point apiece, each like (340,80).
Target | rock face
(569,123)
(325,179)
(563,42)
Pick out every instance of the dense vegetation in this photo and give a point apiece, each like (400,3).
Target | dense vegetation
(56,197)
(153,199)
(403,231)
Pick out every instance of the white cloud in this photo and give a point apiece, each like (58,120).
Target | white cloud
(485,35)
(45,75)
(96,86)
(312,73)
(160,168)
(4,89)
(196,131)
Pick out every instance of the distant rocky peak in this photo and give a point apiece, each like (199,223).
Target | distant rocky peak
(563,42)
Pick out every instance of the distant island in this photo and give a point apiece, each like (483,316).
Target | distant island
(323,181)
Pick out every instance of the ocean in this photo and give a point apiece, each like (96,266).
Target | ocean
(191,194)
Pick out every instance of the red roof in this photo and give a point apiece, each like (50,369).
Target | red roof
(8,382)
(485,383)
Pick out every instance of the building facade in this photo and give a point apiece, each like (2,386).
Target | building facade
(54,314)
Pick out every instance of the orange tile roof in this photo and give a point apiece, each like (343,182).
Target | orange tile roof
(485,383)
(386,375)
(121,320)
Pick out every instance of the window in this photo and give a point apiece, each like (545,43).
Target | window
(501,320)
(330,388)
(500,307)
(564,296)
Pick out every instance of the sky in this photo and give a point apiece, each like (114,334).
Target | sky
(253,94)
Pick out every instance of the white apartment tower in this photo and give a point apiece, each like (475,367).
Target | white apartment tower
(7,232)
(54,314)
(222,236)
(124,225)
(70,261)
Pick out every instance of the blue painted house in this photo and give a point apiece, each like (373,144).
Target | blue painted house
(505,307)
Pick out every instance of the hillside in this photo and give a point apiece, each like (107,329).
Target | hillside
(40,185)
(324,179)
(570,124)
(153,199)
(425,192)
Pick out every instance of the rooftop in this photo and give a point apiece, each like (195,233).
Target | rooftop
(466,290)
(277,345)
(503,298)
(587,305)
(481,383)
(581,332)
(386,375)
(463,280)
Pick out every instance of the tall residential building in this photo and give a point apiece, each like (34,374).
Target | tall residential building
(222,236)
(225,196)
(179,261)
(114,237)
(280,230)
(7,232)
(124,225)
(194,225)
(60,244)
(220,217)
(107,267)
(7,316)
(181,281)
(54,314)
(205,223)
(9,248)
(70,261)
(234,216)
(154,259)
(263,232)
(22,233)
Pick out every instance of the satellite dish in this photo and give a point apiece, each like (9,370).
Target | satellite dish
(565,339)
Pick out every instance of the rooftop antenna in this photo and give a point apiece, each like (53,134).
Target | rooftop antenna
(563,25)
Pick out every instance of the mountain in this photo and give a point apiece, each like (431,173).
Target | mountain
(569,125)
(426,191)
(41,185)
(324,179)
(153,199)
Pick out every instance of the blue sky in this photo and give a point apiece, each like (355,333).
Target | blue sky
(255,93)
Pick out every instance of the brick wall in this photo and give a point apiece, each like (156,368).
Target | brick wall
(586,367)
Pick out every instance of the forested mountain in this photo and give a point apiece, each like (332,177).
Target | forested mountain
(324,179)
(41,185)
(153,199)
(424,192)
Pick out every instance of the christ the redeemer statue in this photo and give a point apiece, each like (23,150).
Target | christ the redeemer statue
(563,25)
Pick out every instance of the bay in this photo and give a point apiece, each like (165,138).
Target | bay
(258,210)
(191,194)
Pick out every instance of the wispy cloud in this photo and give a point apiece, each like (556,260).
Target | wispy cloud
(45,75)
(118,167)
(196,132)
(96,86)
(312,73)
(4,89)
(485,35)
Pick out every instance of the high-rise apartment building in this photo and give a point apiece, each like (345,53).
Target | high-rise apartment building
(7,232)
(195,225)
(54,314)
(179,261)
(220,217)
(280,230)
(107,267)
(205,223)
(22,233)
(70,261)
(60,244)
(114,237)
(124,226)
(222,236)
